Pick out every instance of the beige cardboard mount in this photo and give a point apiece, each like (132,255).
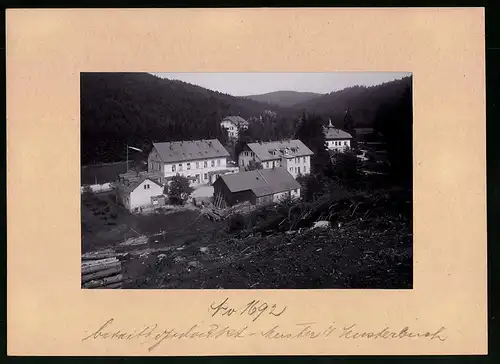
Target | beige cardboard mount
(444,48)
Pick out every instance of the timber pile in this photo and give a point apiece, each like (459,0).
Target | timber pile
(101,270)
(213,214)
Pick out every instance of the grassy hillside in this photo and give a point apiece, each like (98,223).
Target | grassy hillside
(284,98)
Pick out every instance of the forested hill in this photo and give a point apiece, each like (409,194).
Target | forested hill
(362,102)
(284,98)
(139,108)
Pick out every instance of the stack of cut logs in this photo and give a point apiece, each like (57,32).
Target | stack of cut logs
(213,214)
(101,270)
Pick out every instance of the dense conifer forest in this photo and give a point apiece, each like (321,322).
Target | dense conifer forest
(139,108)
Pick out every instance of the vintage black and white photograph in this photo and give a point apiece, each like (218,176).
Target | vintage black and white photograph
(246,180)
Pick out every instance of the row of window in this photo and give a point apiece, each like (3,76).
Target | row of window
(297,169)
(154,166)
(338,144)
(179,167)
(297,160)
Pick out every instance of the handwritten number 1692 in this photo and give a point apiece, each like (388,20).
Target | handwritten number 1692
(254,308)
(257,308)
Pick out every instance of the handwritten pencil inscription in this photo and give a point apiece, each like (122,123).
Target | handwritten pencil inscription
(154,335)
(254,309)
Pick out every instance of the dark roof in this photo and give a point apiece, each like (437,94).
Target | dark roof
(131,180)
(261,182)
(220,171)
(332,133)
(236,120)
(102,173)
(190,150)
(295,147)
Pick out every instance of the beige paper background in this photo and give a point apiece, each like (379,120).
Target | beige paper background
(48,313)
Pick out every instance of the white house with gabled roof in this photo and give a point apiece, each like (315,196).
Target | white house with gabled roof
(336,139)
(233,125)
(137,190)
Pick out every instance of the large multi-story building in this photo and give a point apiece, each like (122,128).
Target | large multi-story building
(292,155)
(202,161)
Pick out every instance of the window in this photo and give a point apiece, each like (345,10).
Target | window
(205,164)
(212,163)
(188,166)
(298,169)
(241,162)
(197,165)
(304,159)
(218,162)
(180,167)
(146,187)
(267,164)
(345,143)
(305,169)
(291,169)
(173,167)
(205,176)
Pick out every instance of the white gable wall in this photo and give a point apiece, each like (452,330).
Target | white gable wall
(141,195)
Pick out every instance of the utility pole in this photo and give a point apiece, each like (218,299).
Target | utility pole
(134,148)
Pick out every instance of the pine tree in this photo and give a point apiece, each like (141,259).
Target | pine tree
(310,132)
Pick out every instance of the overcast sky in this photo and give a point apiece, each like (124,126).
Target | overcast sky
(244,84)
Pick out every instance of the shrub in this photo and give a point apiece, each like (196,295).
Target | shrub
(236,222)
(178,190)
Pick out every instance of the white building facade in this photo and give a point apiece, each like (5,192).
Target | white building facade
(292,155)
(233,125)
(200,160)
(336,139)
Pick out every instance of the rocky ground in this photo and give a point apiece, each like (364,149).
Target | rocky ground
(367,244)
